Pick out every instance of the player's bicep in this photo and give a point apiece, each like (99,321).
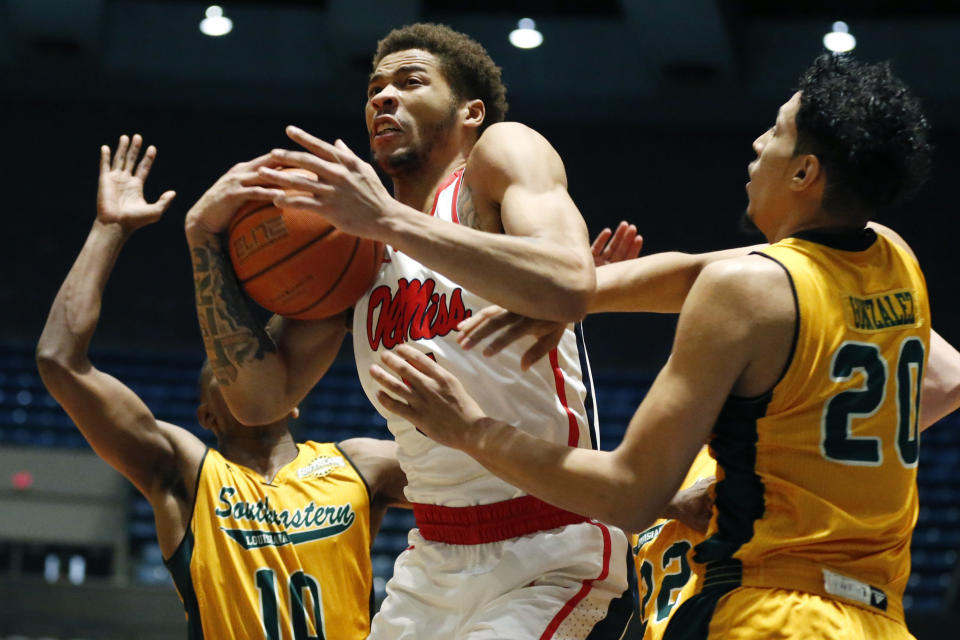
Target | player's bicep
(119,426)
(516,169)
(543,213)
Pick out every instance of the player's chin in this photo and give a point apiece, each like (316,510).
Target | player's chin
(747,225)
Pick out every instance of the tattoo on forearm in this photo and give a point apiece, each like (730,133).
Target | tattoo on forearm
(466,210)
(231,334)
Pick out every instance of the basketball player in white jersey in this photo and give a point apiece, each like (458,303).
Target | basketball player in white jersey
(479,213)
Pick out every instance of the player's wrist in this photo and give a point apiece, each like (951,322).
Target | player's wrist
(398,223)
(198,233)
(479,437)
(110,230)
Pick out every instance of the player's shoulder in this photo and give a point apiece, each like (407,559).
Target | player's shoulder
(751,292)
(892,236)
(505,144)
(750,274)
(370,457)
(376,462)
(356,447)
(510,133)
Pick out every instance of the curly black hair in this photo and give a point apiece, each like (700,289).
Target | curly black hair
(465,63)
(868,132)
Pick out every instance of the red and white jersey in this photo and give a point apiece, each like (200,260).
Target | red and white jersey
(411,303)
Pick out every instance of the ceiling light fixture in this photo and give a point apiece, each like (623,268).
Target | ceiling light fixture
(526,36)
(840,40)
(216,24)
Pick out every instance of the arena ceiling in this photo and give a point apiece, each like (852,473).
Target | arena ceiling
(683,63)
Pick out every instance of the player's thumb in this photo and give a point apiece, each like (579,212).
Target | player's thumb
(163,202)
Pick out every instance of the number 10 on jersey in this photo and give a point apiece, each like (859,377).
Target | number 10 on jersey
(304,591)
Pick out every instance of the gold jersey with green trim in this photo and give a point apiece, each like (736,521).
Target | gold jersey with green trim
(284,560)
(817,479)
(661,555)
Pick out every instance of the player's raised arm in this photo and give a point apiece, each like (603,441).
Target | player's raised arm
(153,455)
(263,372)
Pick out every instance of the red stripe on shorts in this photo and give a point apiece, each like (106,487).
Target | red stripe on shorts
(573,435)
(584,590)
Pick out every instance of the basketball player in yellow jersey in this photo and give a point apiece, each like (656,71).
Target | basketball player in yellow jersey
(265,537)
(805,364)
(666,575)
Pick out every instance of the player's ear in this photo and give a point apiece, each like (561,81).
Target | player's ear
(806,173)
(474,112)
(206,418)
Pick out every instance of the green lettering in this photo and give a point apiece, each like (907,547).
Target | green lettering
(225,492)
(869,311)
(887,320)
(905,299)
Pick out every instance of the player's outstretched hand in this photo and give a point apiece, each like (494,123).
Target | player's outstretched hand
(419,390)
(508,327)
(120,191)
(347,191)
(214,210)
(694,506)
(623,244)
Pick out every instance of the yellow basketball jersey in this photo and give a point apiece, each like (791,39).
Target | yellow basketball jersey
(285,560)
(661,556)
(816,484)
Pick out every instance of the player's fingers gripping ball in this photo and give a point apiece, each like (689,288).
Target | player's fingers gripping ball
(297,264)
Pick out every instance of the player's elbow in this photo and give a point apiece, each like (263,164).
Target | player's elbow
(629,506)
(54,364)
(252,414)
(573,295)
(255,410)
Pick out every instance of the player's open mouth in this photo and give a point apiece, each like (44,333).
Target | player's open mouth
(385,127)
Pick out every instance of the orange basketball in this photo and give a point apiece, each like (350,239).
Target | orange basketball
(297,264)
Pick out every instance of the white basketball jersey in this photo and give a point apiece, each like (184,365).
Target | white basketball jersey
(410,303)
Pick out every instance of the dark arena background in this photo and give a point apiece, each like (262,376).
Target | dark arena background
(652,105)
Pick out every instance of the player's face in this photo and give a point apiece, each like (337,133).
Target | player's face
(771,172)
(410,110)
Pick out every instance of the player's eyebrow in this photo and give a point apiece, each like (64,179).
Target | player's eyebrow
(407,68)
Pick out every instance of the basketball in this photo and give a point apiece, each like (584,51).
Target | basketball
(297,264)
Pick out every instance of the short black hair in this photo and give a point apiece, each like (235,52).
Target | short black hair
(868,132)
(465,63)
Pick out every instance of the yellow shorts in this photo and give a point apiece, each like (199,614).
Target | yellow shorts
(756,613)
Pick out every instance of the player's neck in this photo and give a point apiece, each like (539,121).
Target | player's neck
(418,188)
(825,222)
(265,450)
